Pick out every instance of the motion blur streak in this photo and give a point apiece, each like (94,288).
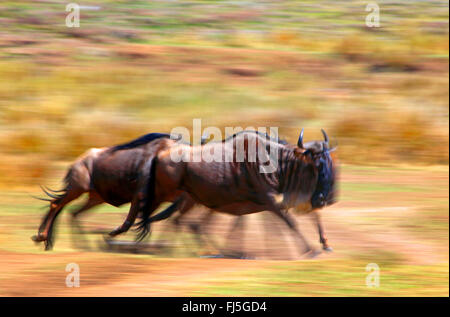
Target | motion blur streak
(135,67)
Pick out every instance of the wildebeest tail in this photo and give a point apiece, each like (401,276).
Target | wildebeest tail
(52,194)
(143,226)
(56,195)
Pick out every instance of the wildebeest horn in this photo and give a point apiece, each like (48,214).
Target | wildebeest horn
(300,139)
(325,136)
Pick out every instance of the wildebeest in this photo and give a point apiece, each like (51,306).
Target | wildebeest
(239,187)
(115,175)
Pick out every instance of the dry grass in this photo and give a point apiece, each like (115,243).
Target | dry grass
(402,137)
(128,71)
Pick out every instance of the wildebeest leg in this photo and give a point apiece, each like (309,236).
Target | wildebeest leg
(323,239)
(176,223)
(293,226)
(199,230)
(136,205)
(271,230)
(93,200)
(166,213)
(237,225)
(196,228)
(144,200)
(183,205)
(46,229)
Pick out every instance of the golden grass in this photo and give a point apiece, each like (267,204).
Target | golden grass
(382,92)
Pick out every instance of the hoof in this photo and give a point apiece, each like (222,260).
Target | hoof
(107,238)
(328,249)
(247,257)
(115,232)
(38,238)
(236,256)
(213,256)
(313,254)
(240,256)
(48,245)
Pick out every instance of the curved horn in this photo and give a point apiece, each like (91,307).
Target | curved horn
(300,139)
(325,136)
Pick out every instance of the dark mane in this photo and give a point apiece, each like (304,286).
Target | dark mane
(153,136)
(280,141)
(140,141)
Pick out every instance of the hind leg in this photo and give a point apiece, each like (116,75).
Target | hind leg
(200,234)
(54,198)
(131,217)
(42,231)
(46,229)
(93,200)
(232,238)
(141,201)
(137,204)
(182,205)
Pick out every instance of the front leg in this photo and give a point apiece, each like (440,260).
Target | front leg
(293,226)
(277,206)
(136,204)
(323,240)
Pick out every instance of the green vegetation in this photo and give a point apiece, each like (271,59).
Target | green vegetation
(329,278)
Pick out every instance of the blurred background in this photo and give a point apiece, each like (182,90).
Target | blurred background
(134,67)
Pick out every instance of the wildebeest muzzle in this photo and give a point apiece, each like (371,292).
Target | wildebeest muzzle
(323,196)
(320,153)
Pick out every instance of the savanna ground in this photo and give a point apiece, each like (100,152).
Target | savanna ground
(394,217)
(135,67)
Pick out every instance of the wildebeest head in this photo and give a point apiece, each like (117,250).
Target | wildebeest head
(320,153)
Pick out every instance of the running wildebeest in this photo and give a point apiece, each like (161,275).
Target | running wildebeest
(304,175)
(325,183)
(115,175)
